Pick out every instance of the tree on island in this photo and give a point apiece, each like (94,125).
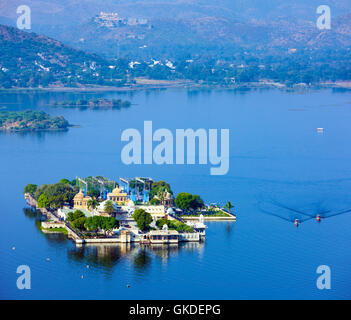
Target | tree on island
(228,206)
(30,188)
(174,225)
(92,203)
(187,201)
(142,219)
(93,224)
(159,189)
(97,223)
(79,223)
(109,223)
(58,194)
(65,181)
(72,216)
(154,202)
(94,193)
(43,201)
(109,207)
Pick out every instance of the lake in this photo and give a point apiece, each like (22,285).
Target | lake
(278,162)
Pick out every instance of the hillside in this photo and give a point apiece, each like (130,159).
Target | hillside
(171,37)
(31,60)
(178,27)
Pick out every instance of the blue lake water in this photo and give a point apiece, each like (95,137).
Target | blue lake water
(275,153)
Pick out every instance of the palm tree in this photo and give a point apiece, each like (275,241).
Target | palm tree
(92,203)
(109,207)
(228,206)
(161,195)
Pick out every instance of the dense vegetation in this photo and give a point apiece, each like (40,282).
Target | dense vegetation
(142,219)
(209,213)
(31,121)
(30,60)
(188,202)
(94,224)
(243,66)
(55,196)
(58,194)
(158,192)
(174,225)
(30,188)
(95,104)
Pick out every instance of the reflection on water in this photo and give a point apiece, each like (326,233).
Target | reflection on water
(166,251)
(107,256)
(229,228)
(38,135)
(33,213)
(102,255)
(141,260)
(51,237)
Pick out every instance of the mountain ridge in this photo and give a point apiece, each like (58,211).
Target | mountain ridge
(187,26)
(31,60)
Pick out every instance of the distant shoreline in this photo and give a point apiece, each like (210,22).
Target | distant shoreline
(39,130)
(165,84)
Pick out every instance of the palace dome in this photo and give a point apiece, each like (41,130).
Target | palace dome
(79,196)
(117,191)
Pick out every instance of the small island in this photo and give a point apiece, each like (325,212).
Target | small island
(95,104)
(22,121)
(142,210)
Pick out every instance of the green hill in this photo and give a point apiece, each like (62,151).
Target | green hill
(31,60)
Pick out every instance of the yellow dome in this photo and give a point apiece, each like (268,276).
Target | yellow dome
(79,195)
(116,190)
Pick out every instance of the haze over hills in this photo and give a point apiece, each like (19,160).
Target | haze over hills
(32,60)
(69,11)
(186,27)
(227,42)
